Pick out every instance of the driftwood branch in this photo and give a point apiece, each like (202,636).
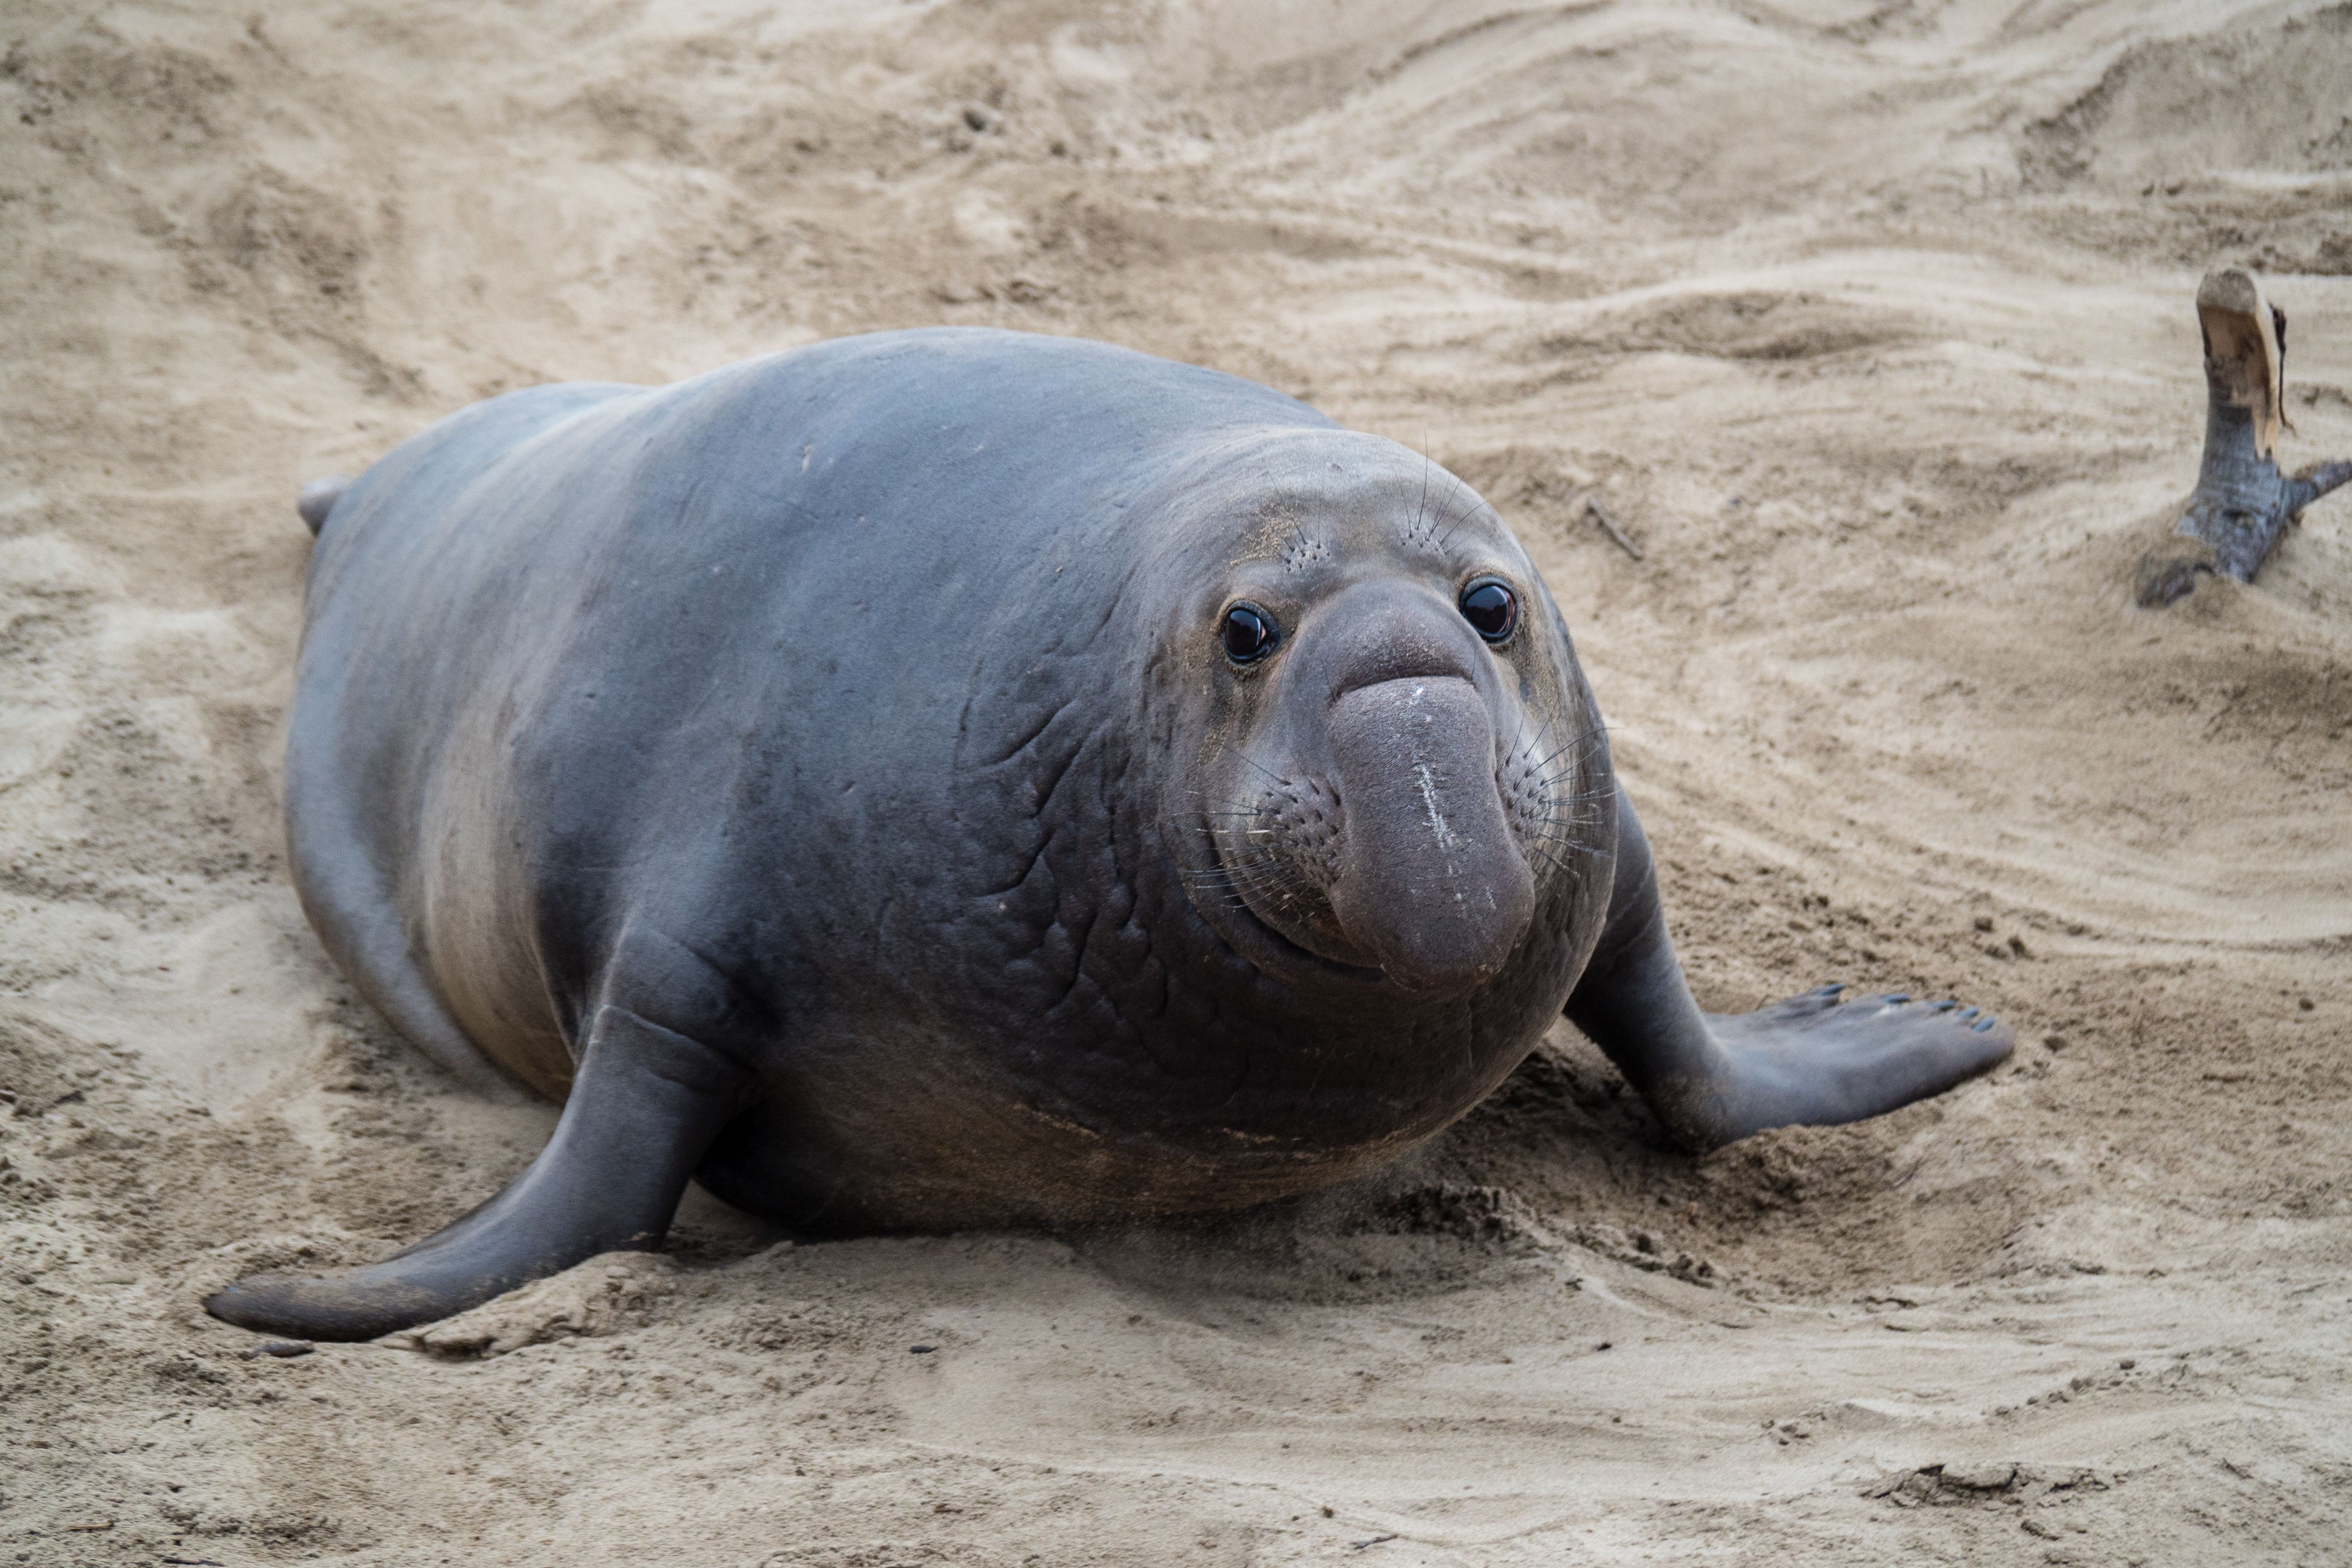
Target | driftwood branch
(2242,503)
(1599,514)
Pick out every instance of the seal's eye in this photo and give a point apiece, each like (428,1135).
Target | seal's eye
(1491,608)
(1248,633)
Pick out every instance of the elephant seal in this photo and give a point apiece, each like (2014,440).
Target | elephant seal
(956,778)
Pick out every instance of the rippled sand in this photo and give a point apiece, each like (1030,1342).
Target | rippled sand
(1871,326)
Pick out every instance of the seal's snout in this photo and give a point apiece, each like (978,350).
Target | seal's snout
(1431,882)
(1381,646)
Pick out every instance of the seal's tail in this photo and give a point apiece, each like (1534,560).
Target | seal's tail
(319,498)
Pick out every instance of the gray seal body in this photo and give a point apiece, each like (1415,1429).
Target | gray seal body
(962,778)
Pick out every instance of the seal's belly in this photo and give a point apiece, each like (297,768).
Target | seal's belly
(848,1148)
(1032,1173)
(476,914)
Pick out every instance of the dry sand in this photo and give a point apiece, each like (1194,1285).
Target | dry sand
(1871,323)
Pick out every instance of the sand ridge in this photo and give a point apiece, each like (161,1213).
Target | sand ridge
(1869,322)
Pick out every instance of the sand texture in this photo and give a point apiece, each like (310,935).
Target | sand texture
(1870,322)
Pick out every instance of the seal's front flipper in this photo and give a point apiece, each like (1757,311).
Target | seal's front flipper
(644,1107)
(1809,1060)
(1814,1060)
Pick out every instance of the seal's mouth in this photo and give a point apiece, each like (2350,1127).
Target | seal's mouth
(1291,951)
(1397,865)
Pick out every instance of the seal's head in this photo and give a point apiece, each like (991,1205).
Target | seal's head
(1396,760)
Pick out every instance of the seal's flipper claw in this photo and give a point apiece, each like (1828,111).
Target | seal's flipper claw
(1945,1005)
(643,1108)
(1982,1025)
(1821,999)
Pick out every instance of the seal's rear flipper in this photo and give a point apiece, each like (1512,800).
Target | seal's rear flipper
(1808,1061)
(319,498)
(643,1108)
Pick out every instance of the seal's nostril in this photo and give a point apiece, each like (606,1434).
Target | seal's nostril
(1423,661)
(1375,633)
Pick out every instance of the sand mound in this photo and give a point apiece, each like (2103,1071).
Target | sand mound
(2263,102)
(1869,324)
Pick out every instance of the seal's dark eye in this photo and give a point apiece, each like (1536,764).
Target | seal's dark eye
(1490,607)
(1248,633)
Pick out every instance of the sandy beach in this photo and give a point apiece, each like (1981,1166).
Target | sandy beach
(1868,322)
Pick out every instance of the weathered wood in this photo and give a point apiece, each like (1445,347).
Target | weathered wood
(2242,503)
(1599,514)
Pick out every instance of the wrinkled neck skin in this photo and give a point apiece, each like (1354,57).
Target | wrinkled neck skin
(1388,815)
